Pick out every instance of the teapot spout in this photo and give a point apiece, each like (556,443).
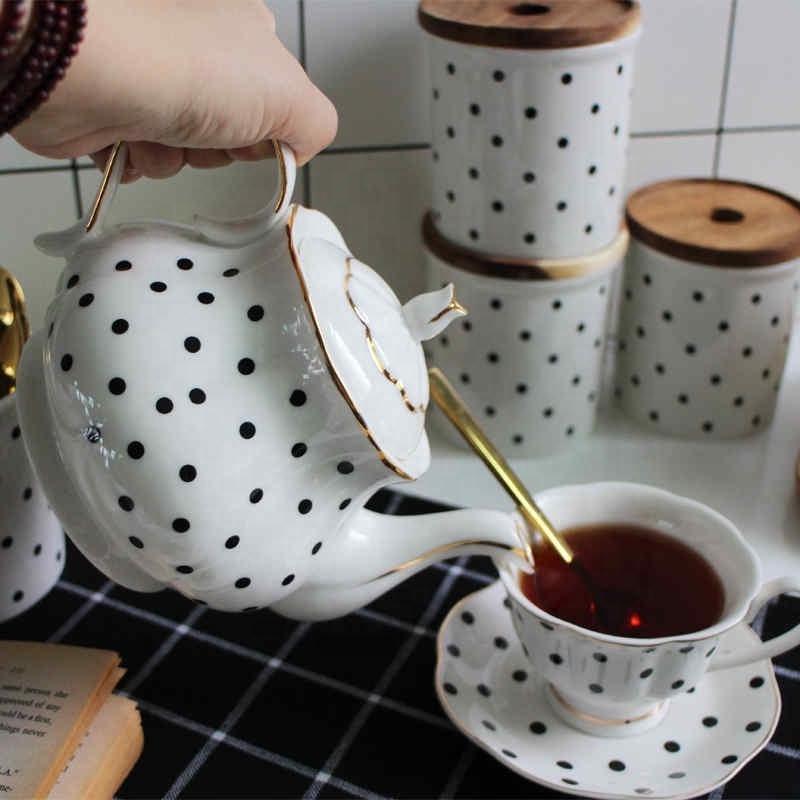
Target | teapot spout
(376,552)
(427,315)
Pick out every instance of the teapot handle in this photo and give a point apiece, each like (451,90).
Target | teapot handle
(234,232)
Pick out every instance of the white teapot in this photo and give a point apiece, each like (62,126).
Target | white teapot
(208,407)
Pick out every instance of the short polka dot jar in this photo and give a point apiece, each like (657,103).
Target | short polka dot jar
(31,539)
(528,358)
(530,112)
(707,303)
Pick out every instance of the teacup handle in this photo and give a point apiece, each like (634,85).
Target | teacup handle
(771,648)
(234,232)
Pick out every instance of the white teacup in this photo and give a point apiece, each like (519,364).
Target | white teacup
(31,538)
(617,686)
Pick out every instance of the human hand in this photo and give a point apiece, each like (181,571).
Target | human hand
(198,82)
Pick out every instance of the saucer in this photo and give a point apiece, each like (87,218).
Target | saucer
(489,690)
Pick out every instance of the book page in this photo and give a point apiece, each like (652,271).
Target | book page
(110,748)
(49,694)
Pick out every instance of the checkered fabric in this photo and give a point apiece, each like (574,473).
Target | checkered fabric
(257,706)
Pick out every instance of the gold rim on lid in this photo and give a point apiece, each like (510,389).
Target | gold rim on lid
(549,25)
(719,223)
(519,269)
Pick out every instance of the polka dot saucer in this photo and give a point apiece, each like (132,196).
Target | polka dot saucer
(488,689)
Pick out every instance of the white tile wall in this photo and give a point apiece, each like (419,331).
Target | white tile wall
(656,158)
(765,64)
(32,204)
(771,158)
(369,56)
(14,156)
(680,64)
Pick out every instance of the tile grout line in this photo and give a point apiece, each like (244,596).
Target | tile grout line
(35,170)
(235,714)
(303,59)
(243,746)
(76,187)
(723,102)
(402,655)
(91,602)
(164,649)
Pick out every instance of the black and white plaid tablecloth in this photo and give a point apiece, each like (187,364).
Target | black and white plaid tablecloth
(255,705)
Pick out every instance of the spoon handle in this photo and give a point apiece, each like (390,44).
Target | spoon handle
(457,412)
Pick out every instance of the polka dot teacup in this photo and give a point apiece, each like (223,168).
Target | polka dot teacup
(31,539)
(614,686)
(528,358)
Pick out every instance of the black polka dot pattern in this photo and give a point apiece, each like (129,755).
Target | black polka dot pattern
(499,370)
(486,695)
(584,109)
(720,381)
(32,540)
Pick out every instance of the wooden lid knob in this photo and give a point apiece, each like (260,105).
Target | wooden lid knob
(716,222)
(530,26)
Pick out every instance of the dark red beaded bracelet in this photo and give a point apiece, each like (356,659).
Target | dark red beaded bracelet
(55,33)
(11,27)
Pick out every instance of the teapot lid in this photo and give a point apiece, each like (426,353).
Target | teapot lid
(371,341)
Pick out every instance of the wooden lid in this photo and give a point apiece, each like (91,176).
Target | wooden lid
(530,26)
(716,222)
(518,269)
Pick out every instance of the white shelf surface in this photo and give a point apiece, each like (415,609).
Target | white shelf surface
(749,480)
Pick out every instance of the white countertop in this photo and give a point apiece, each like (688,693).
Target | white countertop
(749,480)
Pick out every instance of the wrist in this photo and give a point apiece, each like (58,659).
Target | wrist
(53,30)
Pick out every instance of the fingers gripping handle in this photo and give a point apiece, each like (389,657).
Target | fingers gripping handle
(771,648)
(232,232)
(242,231)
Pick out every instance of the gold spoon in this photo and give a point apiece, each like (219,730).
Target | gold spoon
(610,608)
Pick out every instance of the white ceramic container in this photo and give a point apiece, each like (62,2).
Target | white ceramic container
(31,539)
(209,406)
(707,306)
(529,133)
(528,358)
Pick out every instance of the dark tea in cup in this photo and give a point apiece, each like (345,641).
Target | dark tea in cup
(669,588)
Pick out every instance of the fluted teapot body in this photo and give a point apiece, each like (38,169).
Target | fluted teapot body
(209,407)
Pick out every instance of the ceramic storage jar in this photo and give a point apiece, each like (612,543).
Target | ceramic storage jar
(528,358)
(530,111)
(707,303)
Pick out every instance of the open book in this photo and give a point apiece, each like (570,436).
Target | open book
(62,733)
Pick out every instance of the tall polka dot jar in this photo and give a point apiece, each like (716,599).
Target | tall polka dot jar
(528,358)
(707,302)
(530,112)
(31,538)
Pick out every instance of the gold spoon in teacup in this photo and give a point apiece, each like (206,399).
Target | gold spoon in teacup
(612,609)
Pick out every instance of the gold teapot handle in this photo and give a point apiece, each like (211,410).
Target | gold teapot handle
(119,153)
(14,330)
